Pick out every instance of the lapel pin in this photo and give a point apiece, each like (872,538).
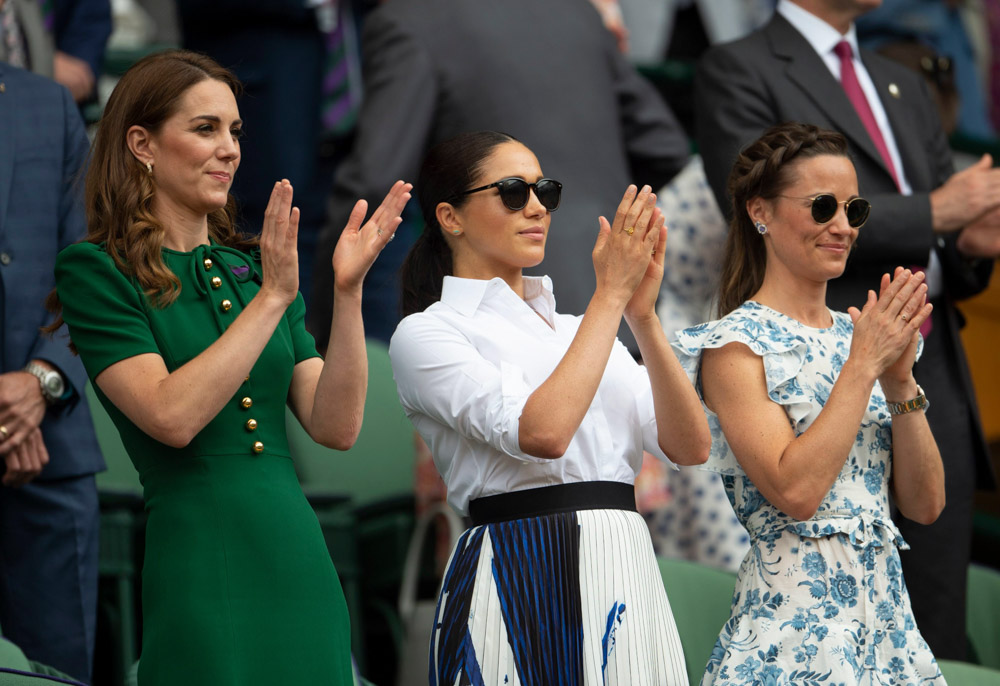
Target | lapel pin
(894,90)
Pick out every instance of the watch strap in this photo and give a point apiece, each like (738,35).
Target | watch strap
(41,372)
(917,403)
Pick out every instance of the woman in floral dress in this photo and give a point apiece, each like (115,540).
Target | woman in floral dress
(816,420)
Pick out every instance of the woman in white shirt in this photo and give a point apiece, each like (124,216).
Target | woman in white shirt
(537,422)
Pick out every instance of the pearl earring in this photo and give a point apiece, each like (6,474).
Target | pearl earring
(761,227)
(149,168)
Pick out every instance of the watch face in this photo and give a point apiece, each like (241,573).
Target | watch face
(54,384)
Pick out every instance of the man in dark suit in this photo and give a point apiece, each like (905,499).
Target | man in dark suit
(550,75)
(48,500)
(922,214)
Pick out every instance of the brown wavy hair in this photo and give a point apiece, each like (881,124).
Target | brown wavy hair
(762,170)
(118,190)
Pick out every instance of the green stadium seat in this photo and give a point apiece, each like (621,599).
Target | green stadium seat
(700,598)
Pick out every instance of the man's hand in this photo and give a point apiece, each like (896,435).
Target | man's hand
(22,408)
(981,238)
(966,196)
(25,462)
(75,74)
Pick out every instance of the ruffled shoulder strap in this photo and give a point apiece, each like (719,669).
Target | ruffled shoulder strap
(782,349)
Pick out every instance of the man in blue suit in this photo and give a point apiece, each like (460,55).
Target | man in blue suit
(48,496)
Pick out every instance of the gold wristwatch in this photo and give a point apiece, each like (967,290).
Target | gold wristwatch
(918,403)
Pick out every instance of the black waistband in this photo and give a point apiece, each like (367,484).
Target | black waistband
(536,502)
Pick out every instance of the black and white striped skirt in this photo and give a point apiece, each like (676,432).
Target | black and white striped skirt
(567,593)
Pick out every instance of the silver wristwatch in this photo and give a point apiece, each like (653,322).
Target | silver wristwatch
(53,385)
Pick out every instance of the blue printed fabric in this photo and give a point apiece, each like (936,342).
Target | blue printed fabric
(820,601)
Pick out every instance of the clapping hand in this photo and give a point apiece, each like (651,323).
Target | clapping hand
(623,255)
(886,330)
(279,254)
(360,245)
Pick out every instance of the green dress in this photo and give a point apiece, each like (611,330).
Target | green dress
(238,586)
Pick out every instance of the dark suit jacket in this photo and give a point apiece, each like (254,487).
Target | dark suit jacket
(774,75)
(42,148)
(82,29)
(547,73)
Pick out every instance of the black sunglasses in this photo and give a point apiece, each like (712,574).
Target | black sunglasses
(514,192)
(824,207)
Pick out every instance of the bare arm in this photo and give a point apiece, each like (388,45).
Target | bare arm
(917,470)
(681,426)
(328,396)
(554,411)
(796,472)
(173,407)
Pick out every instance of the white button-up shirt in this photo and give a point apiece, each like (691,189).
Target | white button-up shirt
(465,367)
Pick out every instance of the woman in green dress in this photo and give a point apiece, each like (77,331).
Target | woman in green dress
(193,336)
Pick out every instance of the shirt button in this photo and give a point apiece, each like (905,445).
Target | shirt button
(226,305)
(258,447)
(251,424)
(208,264)
(216,282)
(246,403)
(5,258)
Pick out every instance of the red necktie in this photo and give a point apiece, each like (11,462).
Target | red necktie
(849,80)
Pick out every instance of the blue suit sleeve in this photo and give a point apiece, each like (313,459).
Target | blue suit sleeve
(82,28)
(72,228)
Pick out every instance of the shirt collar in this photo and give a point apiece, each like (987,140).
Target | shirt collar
(821,36)
(466,295)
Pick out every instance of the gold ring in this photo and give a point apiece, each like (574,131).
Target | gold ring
(654,252)
(630,230)
(4,432)
(378,231)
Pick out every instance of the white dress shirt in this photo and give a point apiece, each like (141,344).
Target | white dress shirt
(824,38)
(464,368)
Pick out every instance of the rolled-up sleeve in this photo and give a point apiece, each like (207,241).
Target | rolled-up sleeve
(441,375)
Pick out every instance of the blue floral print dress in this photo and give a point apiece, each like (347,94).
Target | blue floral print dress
(822,601)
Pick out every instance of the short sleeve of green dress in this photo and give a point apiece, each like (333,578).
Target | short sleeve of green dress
(238,586)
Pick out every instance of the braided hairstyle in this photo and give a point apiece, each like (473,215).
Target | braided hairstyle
(764,169)
(449,168)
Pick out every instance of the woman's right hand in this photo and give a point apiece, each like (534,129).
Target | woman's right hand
(279,254)
(885,329)
(621,258)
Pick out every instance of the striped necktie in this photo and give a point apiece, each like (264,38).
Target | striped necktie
(341,88)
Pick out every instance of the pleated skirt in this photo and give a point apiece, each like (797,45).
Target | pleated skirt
(562,599)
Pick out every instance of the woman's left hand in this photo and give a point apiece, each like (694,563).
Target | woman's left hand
(643,302)
(360,245)
(900,373)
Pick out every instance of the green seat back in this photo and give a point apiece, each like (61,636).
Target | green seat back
(982,621)
(120,476)
(965,674)
(380,464)
(700,597)
(11,656)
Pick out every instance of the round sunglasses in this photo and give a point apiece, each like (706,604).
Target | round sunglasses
(514,192)
(824,207)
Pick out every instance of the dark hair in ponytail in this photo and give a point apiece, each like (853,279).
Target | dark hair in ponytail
(762,171)
(449,168)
